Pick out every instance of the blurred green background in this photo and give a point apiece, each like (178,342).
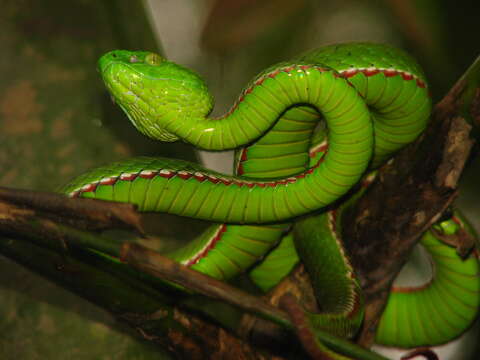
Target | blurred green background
(56,119)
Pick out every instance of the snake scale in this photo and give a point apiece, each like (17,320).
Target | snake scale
(306,132)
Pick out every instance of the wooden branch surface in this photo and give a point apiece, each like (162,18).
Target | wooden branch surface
(409,195)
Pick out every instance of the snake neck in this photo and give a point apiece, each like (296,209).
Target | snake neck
(263,102)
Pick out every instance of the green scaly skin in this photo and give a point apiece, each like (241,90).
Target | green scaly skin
(427,315)
(317,241)
(443,308)
(168,101)
(233,248)
(358,89)
(162,94)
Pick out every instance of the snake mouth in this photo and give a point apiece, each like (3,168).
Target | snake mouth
(103,64)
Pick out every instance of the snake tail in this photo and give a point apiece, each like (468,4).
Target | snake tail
(332,277)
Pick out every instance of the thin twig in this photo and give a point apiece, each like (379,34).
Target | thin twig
(159,266)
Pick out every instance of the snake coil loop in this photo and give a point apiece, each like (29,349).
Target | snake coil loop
(373,99)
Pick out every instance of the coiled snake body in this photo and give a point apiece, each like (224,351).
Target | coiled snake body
(372,99)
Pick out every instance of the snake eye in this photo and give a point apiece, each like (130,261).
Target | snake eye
(153,59)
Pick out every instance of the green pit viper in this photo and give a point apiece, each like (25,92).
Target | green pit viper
(306,132)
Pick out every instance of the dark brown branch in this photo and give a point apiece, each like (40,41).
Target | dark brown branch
(408,196)
(117,289)
(80,213)
(161,267)
(26,224)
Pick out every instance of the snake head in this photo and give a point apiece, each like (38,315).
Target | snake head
(157,95)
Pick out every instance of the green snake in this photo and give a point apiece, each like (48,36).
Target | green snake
(305,133)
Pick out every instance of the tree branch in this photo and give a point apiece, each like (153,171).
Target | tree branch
(75,246)
(409,195)
(81,213)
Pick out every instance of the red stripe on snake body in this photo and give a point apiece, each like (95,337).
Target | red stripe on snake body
(209,246)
